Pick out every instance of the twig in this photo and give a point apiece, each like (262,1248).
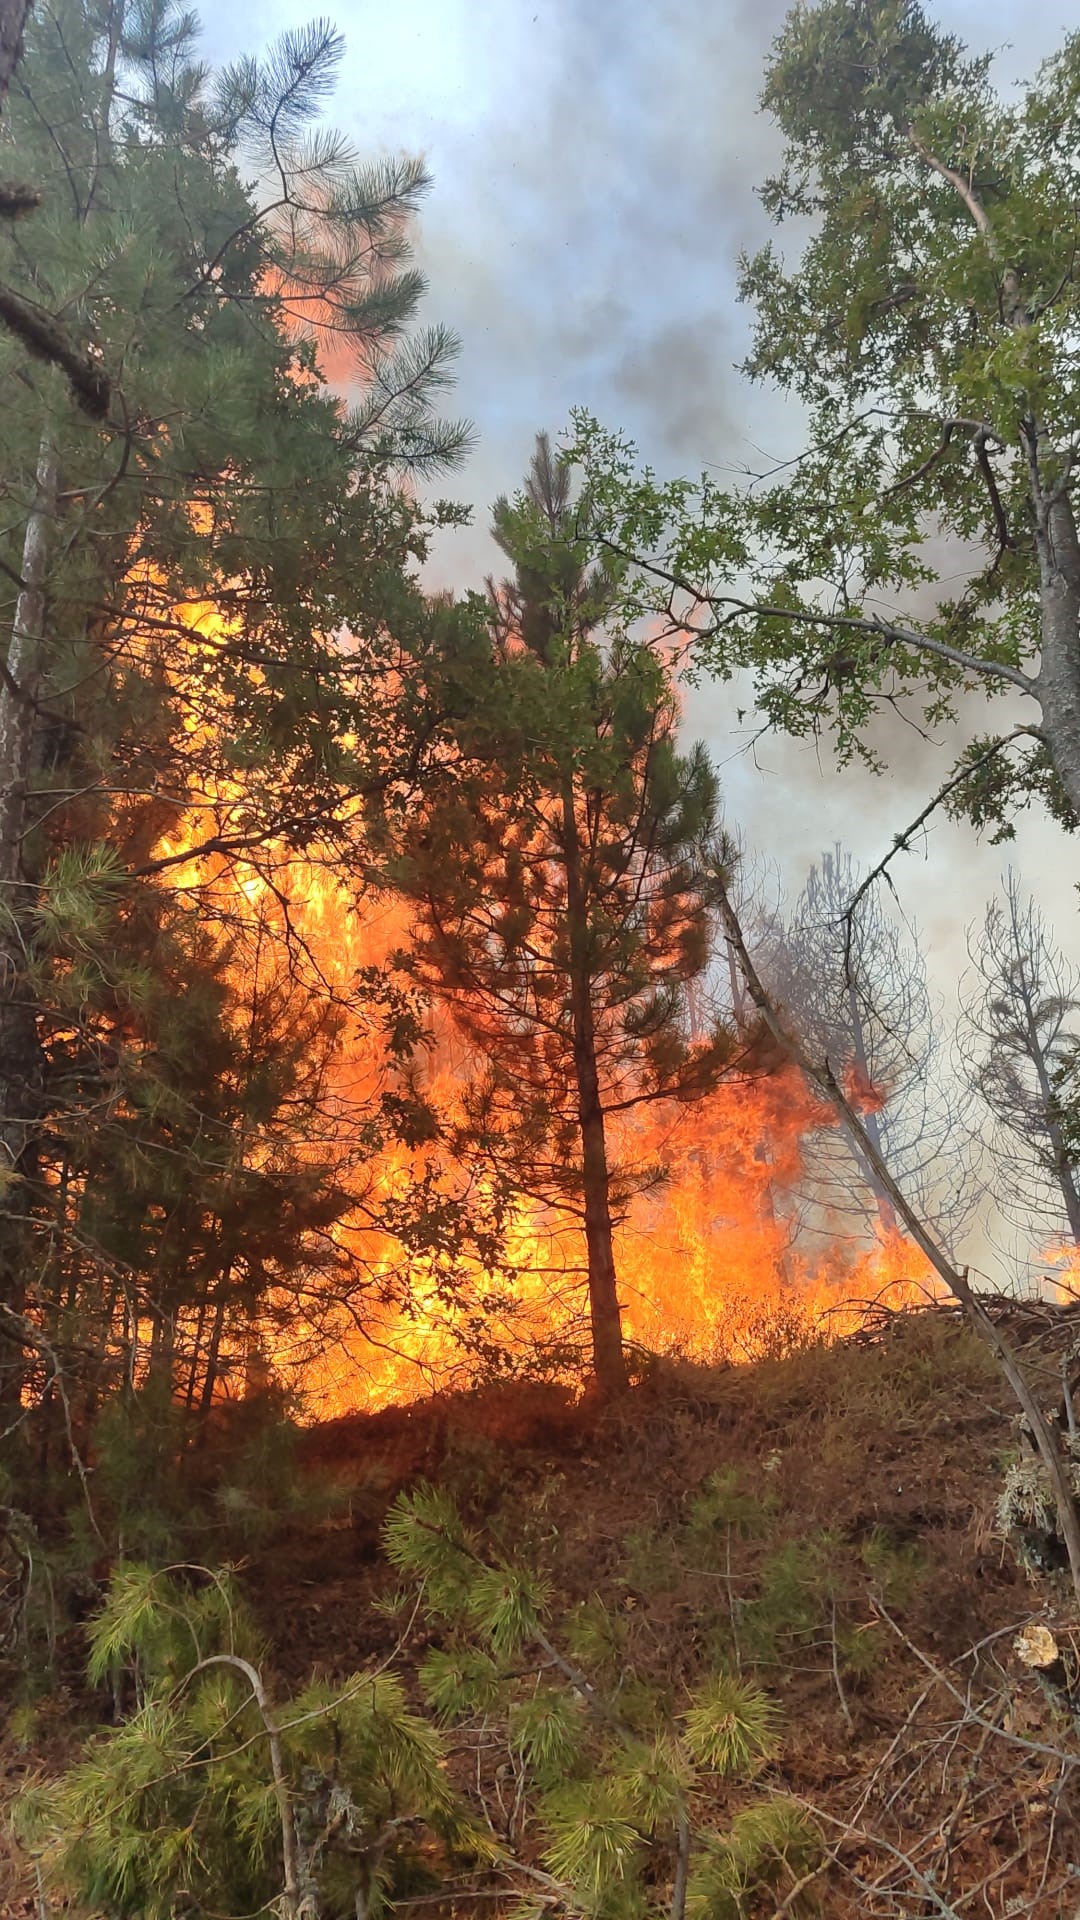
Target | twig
(840,1694)
(850,1832)
(682,1863)
(979,1719)
(783,1910)
(902,841)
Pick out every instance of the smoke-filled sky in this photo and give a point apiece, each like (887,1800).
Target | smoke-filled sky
(594,169)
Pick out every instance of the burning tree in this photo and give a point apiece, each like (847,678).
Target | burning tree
(208,598)
(563,889)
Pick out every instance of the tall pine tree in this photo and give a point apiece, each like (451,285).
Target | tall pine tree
(562,892)
(206,564)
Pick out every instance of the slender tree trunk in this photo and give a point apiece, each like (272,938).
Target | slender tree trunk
(605,1313)
(1066,1179)
(885,1211)
(20,1056)
(213,1355)
(1061,1164)
(1058,683)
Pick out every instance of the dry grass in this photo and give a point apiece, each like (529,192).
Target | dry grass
(825,1521)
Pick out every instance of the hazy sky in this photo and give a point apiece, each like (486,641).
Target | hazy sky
(594,165)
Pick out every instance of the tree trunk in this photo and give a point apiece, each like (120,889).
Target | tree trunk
(1061,1165)
(20,1056)
(605,1313)
(13,17)
(1057,686)
(885,1211)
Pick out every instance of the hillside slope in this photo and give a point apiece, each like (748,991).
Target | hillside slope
(825,1521)
(824,1525)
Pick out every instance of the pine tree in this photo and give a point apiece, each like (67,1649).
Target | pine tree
(213,1792)
(1022,1003)
(562,892)
(210,594)
(622,1781)
(844,970)
(213,1795)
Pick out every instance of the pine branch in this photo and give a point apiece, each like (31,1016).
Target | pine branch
(46,340)
(293,1905)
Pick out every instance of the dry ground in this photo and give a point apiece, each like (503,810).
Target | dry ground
(827,1521)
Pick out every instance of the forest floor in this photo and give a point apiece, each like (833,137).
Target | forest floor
(828,1522)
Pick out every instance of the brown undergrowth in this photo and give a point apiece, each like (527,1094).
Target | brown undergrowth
(824,1522)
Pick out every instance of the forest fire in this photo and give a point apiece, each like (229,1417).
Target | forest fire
(470,1162)
(714,1263)
(720,1256)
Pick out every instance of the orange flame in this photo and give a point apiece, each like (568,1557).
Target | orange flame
(710,1261)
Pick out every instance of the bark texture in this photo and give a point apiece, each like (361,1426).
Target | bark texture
(20,1057)
(605,1313)
(13,18)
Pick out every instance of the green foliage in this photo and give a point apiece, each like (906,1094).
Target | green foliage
(718,1507)
(211,1783)
(791,1604)
(229,568)
(609,1771)
(507,1605)
(459,1680)
(731,1728)
(593,1847)
(425,1537)
(926,324)
(766,1842)
(546,1728)
(179,1804)
(896,1566)
(596,1636)
(165,1489)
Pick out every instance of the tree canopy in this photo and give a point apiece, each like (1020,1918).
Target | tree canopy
(927,326)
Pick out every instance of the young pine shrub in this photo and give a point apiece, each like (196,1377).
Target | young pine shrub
(212,1797)
(764,1843)
(637,1801)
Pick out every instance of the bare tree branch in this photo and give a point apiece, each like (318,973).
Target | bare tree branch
(821,1075)
(902,841)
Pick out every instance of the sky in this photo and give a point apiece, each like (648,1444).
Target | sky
(595,164)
